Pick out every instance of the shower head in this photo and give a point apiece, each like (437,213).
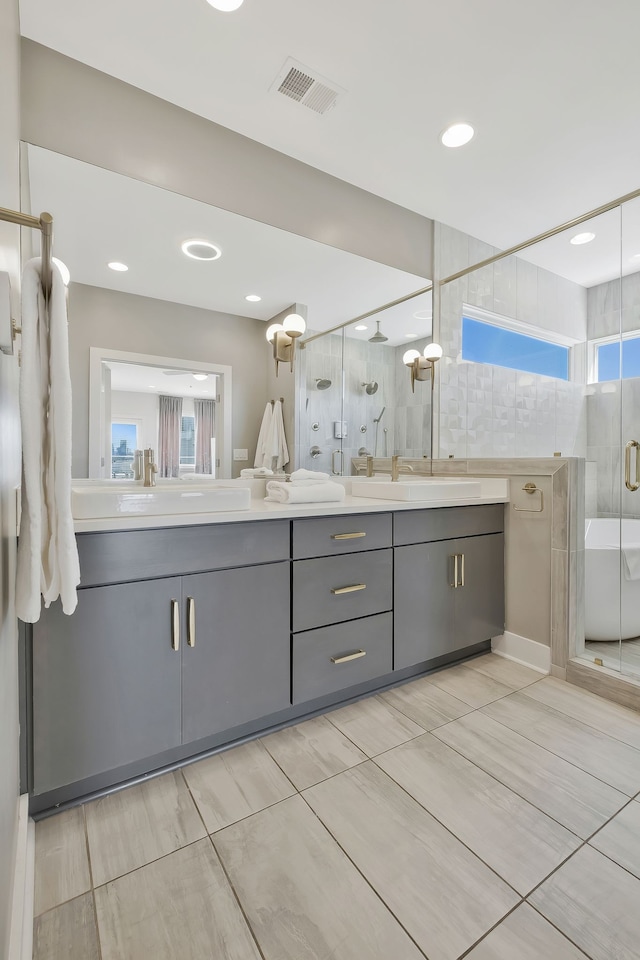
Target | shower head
(370,388)
(322,384)
(378,337)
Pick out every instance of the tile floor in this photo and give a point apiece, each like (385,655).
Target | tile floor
(482,812)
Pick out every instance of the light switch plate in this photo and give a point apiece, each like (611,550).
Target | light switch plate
(240,455)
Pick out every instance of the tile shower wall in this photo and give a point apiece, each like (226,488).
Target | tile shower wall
(489,411)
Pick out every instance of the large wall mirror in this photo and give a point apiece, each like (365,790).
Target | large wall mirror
(186,316)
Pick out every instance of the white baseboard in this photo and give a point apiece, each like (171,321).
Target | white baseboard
(522,650)
(21,933)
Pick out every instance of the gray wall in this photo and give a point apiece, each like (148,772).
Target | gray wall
(78,111)
(9,471)
(122,321)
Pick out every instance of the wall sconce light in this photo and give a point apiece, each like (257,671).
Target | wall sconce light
(283,337)
(422,366)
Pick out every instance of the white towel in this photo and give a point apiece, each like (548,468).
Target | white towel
(309,476)
(631,561)
(277,445)
(252,472)
(261,458)
(304,493)
(47,551)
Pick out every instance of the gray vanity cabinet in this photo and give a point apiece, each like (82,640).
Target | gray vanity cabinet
(236,648)
(106,682)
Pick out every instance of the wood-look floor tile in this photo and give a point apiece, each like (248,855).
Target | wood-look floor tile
(67,932)
(595,903)
(374,725)
(509,672)
(312,751)
(519,842)
(140,824)
(525,935)
(303,897)
(179,907)
(470,686)
(574,798)
(425,703)
(62,864)
(443,895)
(610,760)
(235,784)
(616,721)
(620,839)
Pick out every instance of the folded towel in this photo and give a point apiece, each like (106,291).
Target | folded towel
(304,493)
(631,561)
(309,476)
(250,472)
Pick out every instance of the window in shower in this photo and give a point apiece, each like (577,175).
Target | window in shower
(502,344)
(610,354)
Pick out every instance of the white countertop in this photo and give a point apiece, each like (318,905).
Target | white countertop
(494,490)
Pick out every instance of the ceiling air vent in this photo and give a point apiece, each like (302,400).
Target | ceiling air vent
(306,87)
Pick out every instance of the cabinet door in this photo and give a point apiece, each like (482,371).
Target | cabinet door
(479,604)
(106,682)
(240,666)
(423,602)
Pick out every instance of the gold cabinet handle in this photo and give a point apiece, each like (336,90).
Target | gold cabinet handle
(349,656)
(175,624)
(628,447)
(461,581)
(347,536)
(338,591)
(454,557)
(191,621)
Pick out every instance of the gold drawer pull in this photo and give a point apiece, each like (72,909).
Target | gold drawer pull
(347,536)
(337,591)
(175,624)
(349,656)
(191,621)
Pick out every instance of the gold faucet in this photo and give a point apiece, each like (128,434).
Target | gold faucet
(398,468)
(150,468)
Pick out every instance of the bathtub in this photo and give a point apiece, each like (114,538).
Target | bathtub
(612,603)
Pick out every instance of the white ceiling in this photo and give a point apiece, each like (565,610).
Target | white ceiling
(551,88)
(137,378)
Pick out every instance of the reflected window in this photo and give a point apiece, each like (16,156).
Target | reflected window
(610,356)
(491,343)
(188,441)
(124,442)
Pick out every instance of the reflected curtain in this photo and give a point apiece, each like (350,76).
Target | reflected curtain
(169,429)
(205,415)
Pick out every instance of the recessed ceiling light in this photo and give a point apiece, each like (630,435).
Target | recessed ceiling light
(422,315)
(457,135)
(361,326)
(225,6)
(64,270)
(636,256)
(199,376)
(582,238)
(411,336)
(253,298)
(152,386)
(119,267)
(201,250)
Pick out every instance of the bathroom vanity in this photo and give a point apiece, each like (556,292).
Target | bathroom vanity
(192,636)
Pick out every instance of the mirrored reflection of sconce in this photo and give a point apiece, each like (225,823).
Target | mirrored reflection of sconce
(283,337)
(422,366)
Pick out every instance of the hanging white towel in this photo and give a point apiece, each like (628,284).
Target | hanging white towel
(277,446)
(261,459)
(305,493)
(47,552)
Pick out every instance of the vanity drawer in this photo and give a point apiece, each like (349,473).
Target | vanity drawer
(447,523)
(332,589)
(341,656)
(328,536)
(116,557)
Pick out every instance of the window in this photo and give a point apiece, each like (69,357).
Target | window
(188,441)
(609,353)
(124,441)
(484,342)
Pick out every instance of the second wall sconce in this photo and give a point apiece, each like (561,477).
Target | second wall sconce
(422,365)
(283,336)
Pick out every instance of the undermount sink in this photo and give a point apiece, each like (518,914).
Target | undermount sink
(416,488)
(93,499)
